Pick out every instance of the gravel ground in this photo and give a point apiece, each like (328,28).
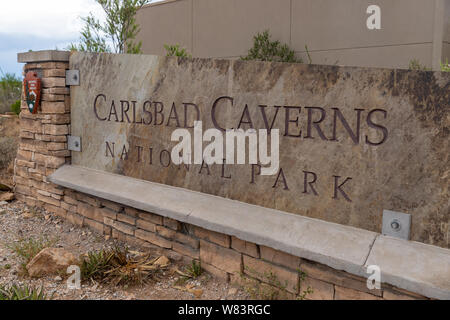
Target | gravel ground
(18,221)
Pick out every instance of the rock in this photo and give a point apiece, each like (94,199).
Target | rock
(130,296)
(162,261)
(49,261)
(2,203)
(28,215)
(232,291)
(6,196)
(196,292)
(58,278)
(4,187)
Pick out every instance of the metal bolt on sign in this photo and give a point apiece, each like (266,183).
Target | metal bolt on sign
(396,224)
(72,77)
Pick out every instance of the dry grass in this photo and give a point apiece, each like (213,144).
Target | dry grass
(269,287)
(8,151)
(22,292)
(9,133)
(27,249)
(119,266)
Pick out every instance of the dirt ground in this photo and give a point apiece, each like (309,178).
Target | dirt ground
(18,221)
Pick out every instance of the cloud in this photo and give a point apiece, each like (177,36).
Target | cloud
(40,25)
(46,18)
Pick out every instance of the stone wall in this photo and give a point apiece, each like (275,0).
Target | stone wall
(43,148)
(378,142)
(43,138)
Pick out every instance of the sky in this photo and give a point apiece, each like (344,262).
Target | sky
(39,25)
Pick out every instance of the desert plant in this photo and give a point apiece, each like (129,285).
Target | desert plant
(176,51)
(22,292)
(445,67)
(10,90)
(270,287)
(192,271)
(195,269)
(27,249)
(266,50)
(95,264)
(8,151)
(308,55)
(118,266)
(15,107)
(120,28)
(415,64)
(303,294)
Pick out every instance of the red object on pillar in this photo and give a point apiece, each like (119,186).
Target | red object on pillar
(32,89)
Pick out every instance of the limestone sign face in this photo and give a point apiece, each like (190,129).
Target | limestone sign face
(353,141)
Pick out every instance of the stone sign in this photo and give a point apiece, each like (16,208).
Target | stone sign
(353,141)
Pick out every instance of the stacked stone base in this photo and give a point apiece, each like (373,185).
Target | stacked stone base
(43,137)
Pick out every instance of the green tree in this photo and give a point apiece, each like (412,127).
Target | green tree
(117,34)
(10,90)
(266,50)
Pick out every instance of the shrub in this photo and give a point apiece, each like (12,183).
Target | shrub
(176,51)
(118,266)
(27,249)
(266,50)
(15,107)
(8,151)
(195,269)
(95,264)
(21,292)
(10,90)
(415,64)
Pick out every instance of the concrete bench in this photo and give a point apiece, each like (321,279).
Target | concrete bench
(408,265)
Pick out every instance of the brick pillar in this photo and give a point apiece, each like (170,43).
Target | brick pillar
(43,136)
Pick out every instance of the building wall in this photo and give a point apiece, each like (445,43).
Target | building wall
(446,35)
(334,31)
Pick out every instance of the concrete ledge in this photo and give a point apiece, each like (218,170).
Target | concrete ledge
(413,266)
(405,264)
(43,56)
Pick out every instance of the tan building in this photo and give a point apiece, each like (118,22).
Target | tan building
(335,31)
